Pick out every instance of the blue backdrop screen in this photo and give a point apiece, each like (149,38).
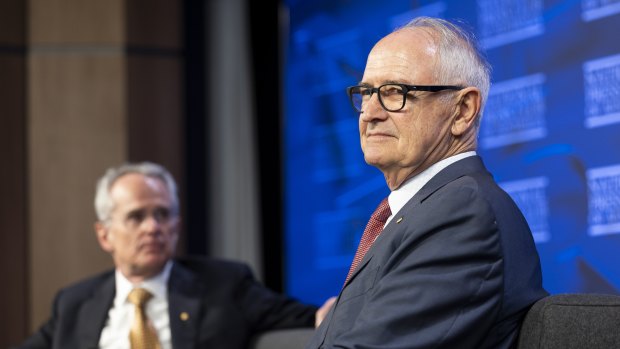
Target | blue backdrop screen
(550,134)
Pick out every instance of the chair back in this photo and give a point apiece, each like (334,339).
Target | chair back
(569,321)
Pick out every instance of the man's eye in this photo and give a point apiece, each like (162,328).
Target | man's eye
(162,214)
(135,217)
(392,91)
(365,91)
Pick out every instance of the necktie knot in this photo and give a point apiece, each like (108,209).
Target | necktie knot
(139,296)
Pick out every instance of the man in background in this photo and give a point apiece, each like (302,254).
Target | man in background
(151,299)
(447,259)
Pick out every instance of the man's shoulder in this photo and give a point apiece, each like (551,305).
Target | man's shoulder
(86,287)
(214,267)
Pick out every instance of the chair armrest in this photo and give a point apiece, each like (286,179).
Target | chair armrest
(295,338)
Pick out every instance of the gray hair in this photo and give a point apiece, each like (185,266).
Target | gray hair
(461,61)
(104,204)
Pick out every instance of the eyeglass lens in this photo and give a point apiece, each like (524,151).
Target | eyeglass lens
(392,97)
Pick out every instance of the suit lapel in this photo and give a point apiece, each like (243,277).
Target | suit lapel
(93,314)
(452,172)
(184,306)
(361,266)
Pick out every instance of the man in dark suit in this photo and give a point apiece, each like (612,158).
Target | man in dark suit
(194,303)
(454,264)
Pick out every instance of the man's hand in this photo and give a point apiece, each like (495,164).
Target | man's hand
(320,314)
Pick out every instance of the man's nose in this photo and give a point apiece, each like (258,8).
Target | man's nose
(151,224)
(373,110)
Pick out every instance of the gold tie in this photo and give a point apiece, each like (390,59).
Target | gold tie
(141,335)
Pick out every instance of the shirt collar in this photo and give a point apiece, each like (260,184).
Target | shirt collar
(399,197)
(156,285)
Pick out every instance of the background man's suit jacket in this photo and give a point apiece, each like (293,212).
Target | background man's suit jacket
(459,270)
(226,306)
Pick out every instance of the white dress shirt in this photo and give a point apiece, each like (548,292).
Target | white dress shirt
(399,197)
(115,333)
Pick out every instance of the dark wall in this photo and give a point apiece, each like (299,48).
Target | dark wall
(266,64)
(265,59)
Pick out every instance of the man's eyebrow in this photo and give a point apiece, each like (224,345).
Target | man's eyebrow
(134,211)
(361,83)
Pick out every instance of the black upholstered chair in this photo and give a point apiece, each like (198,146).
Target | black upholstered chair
(295,338)
(562,321)
(567,321)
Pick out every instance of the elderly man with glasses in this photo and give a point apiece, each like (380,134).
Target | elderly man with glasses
(152,299)
(447,260)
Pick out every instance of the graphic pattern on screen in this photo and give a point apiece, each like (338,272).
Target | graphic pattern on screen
(550,133)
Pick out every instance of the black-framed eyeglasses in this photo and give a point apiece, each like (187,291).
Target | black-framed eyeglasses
(391,96)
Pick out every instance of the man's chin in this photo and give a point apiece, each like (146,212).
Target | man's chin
(153,260)
(374,159)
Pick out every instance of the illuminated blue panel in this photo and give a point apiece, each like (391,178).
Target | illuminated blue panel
(595,9)
(531,197)
(604,200)
(550,132)
(501,22)
(515,112)
(602,94)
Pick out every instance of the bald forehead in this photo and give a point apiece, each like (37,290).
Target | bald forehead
(409,54)
(418,41)
(137,184)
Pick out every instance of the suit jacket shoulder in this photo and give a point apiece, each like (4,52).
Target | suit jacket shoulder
(225,305)
(78,314)
(215,269)
(442,272)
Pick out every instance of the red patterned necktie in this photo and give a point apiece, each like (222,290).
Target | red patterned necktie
(372,231)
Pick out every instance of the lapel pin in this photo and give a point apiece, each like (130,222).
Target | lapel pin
(184,316)
(399,220)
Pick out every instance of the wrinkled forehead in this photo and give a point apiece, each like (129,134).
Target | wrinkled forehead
(408,55)
(132,189)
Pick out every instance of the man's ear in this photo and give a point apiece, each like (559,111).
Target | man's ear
(178,225)
(467,111)
(104,237)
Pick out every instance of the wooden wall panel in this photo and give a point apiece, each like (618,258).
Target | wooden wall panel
(77,22)
(154,24)
(94,84)
(77,129)
(13,174)
(12,22)
(13,192)
(155,117)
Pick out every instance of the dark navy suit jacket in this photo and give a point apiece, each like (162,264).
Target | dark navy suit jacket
(225,304)
(456,267)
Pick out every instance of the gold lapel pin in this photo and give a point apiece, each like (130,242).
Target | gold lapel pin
(399,220)
(184,316)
